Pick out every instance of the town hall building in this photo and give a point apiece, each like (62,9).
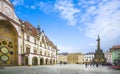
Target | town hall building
(21,43)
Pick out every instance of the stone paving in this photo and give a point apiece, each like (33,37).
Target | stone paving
(59,69)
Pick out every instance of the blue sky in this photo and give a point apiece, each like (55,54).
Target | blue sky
(74,25)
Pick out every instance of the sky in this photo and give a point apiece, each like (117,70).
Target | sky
(74,25)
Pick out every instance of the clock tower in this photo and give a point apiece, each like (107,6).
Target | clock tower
(10,35)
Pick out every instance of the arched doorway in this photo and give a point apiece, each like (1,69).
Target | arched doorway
(54,61)
(25,60)
(9,43)
(41,61)
(47,61)
(34,61)
(51,61)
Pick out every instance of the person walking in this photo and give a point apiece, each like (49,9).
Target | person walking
(86,65)
(96,64)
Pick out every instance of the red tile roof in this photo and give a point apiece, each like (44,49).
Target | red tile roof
(31,29)
(115,47)
(50,42)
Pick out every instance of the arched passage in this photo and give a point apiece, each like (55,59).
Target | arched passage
(47,61)
(54,61)
(9,42)
(51,61)
(34,61)
(25,60)
(41,61)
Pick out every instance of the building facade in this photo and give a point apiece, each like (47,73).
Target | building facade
(108,56)
(115,54)
(21,43)
(88,57)
(62,58)
(75,58)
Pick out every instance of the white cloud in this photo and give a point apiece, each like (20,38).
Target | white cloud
(67,11)
(33,7)
(91,10)
(47,7)
(107,19)
(69,49)
(18,2)
(65,8)
(106,22)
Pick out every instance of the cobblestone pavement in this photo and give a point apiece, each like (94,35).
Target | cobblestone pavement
(59,69)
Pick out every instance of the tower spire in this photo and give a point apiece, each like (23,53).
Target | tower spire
(98,40)
(38,28)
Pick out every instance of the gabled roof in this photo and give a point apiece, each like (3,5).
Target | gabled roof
(30,29)
(50,43)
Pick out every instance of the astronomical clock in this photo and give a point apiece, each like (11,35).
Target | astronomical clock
(5,52)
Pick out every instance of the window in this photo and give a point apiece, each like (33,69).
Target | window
(28,38)
(40,52)
(30,29)
(27,50)
(43,41)
(35,41)
(35,51)
(45,53)
(49,55)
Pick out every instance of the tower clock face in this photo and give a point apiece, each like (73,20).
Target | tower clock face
(4,50)
(4,58)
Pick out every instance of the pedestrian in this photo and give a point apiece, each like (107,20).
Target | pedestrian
(97,65)
(60,63)
(90,64)
(86,65)
(93,64)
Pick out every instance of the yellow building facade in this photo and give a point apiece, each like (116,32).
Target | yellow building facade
(75,58)
(62,58)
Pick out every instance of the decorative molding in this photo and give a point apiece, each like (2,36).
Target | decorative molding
(11,5)
(10,19)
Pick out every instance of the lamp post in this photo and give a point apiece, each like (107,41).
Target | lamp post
(23,27)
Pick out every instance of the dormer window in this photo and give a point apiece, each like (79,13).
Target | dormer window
(30,29)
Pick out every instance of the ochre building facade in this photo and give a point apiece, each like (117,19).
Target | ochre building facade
(75,58)
(62,59)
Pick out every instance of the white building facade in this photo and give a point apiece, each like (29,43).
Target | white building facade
(21,43)
(88,57)
(108,56)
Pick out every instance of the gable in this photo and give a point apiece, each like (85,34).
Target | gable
(7,8)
